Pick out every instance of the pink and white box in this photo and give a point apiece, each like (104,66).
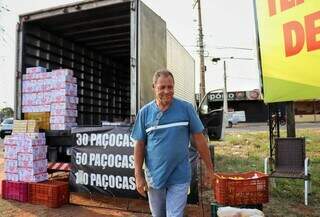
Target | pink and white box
(35,108)
(11,177)
(36,76)
(62,119)
(64,105)
(10,152)
(61,72)
(38,166)
(9,140)
(66,126)
(71,90)
(64,79)
(37,69)
(57,84)
(28,175)
(11,166)
(38,152)
(63,98)
(63,112)
(29,99)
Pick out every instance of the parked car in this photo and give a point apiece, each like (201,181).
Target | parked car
(236,117)
(6,127)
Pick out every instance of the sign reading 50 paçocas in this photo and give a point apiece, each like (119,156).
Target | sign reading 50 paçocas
(289,38)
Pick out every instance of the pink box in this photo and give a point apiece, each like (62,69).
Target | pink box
(63,112)
(27,140)
(36,76)
(35,108)
(70,91)
(11,166)
(26,161)
(61,72)
(27,175)
(9,140)
(58,84)
(62,119)
(67,126)
(38,152)
(64,79)
(29,99)
(37,69)
(63,106)
(10,152)
(61,98)
(46,98)
(11,176)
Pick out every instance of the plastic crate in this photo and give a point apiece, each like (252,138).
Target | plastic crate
(50,193)
(241,188)
(15,190)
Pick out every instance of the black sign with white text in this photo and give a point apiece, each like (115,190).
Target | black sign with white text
(102,161)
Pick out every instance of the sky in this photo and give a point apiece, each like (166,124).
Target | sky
(228,28)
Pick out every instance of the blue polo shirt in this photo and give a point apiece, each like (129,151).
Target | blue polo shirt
(166,135)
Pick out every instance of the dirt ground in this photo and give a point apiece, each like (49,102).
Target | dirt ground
(10,208)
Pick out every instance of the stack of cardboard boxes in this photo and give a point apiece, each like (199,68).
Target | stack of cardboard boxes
(63,100)
(25,153)
(54,92)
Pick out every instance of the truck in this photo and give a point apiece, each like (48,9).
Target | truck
(113,47)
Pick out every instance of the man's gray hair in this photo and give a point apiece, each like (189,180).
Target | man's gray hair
(161,72)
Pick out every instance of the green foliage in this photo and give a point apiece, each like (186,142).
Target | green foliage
(7,112)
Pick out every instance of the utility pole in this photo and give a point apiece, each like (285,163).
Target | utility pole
(225,100)
(201,53)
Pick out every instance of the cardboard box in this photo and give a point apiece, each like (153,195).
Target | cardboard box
(62,119)
(64,106)
(39,108)
(11,177)
(11,166)
(27,175)
(43,119)
(11,152)
(37,69)
(61,72)
(27,161)
(66,126)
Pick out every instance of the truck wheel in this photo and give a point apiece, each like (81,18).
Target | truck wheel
(2,135)
(230,124)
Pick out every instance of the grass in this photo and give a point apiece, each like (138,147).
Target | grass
(245,151)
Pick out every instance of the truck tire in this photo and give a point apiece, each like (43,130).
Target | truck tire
(230,124)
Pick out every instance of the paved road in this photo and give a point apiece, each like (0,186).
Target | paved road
(265,127)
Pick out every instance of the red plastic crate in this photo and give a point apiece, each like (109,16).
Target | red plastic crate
(50,193)
(241,188)
(15,190)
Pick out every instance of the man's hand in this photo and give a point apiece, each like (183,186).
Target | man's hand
(141,185)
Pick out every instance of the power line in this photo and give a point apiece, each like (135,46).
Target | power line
(235,48)
(234,58)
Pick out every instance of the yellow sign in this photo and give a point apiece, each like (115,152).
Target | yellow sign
(289,36)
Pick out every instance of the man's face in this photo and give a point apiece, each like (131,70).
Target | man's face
(164,90)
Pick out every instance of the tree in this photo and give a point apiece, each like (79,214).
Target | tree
(6,112)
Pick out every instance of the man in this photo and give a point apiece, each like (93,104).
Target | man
(161,133)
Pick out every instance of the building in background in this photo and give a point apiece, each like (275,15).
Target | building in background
(256,110)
